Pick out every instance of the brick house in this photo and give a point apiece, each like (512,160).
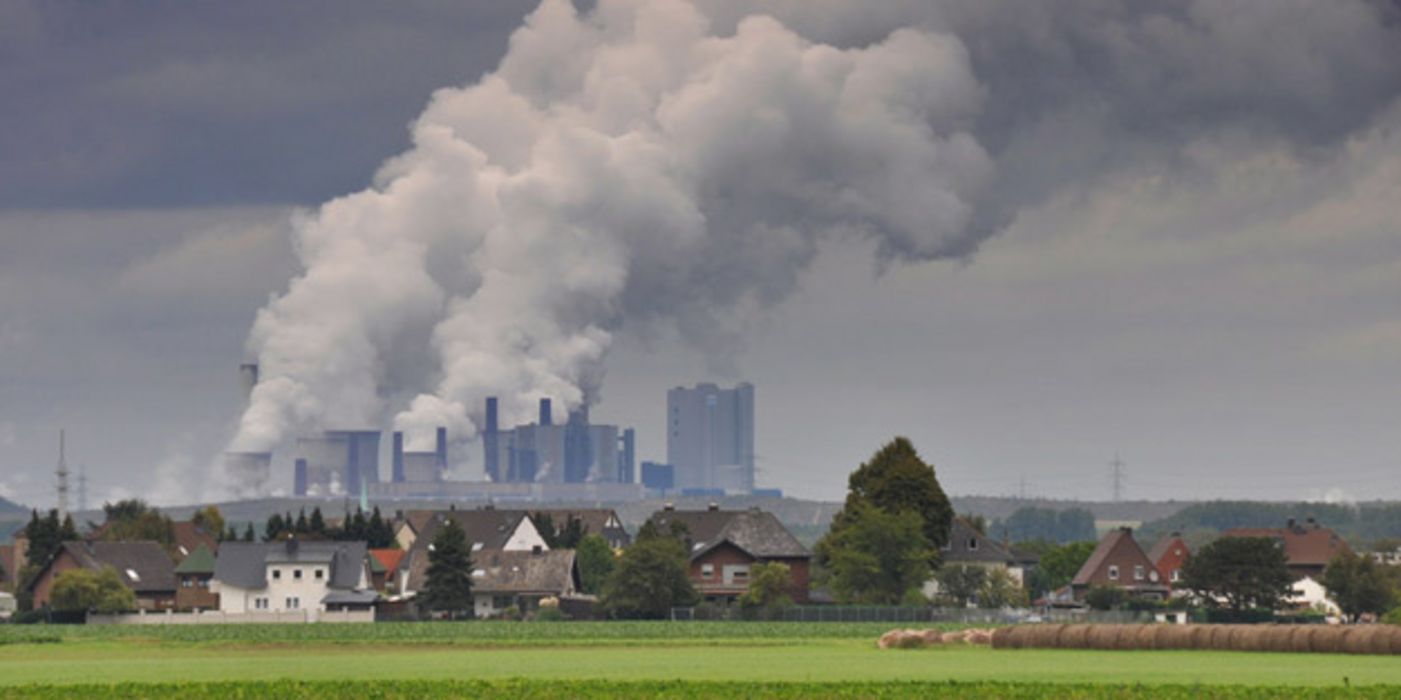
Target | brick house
(1169,554)
(724,544)
(1118,561)
(195,577)
(1308,546)
(144,567)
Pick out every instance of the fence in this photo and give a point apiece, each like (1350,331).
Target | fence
(214,617)
(892,613)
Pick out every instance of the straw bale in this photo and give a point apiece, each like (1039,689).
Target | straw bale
(1300,638)
(1145,637)
(931,637)
(1104,636)
(1358,639)
(1394,633)
(1043,636)
(1276,638)
(978,636)
(953,638)
(1327,640)
(1006,638)
(1073,637)
(1247,638)
(887,640)
(1174,637)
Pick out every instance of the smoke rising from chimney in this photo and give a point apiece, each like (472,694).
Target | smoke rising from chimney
(622,166)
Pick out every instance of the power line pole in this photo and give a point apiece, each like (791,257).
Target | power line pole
(1118,477)
(62,475)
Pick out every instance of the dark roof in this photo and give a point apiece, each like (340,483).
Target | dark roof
(200,561)
(966,544)
(1305,545)
(244,564)
(551,572)
(189,537)
(757,533)
(487,527)
(143,566)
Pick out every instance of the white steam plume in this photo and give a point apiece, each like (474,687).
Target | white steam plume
(623,165)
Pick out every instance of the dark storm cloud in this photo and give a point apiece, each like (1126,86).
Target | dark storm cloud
(189,104)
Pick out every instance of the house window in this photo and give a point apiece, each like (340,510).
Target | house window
(1153,576)
(294,603)
(297,574)
(707,570)
(1138,573)
(260,603)
(185,583)
(501,602)
(320,574)
(1175,576)
(972,544)
(277,574)
(1113,573)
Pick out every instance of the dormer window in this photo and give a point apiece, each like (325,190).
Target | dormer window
(972,544)
(1113,573)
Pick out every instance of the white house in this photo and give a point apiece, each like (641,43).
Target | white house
(1308,593)
(291,576)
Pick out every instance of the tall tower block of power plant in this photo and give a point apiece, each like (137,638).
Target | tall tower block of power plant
(710,438)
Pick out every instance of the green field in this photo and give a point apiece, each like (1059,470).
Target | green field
(503,659)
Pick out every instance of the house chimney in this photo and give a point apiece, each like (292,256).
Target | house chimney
(713,506)
(669,507)
(292,545)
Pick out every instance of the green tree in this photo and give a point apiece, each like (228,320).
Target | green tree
(274,529)
(649,579)
(378,532)
(449,585)
(94,591)
(301,526)
(896,480)
(1106,597)
(1359,585)
(229,535)
(961,584)
(1058,565)
(1248,572)
(768,587)
(46,535)
(210,520)
(1001,590)
(317,523)
(248,534)
(596,562)
(876,556)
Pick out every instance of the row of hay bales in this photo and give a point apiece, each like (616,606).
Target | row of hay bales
(1324,639)
(919,639)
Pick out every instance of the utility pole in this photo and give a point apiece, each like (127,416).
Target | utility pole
(1118,477)
(62,475)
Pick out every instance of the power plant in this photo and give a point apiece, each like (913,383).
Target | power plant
(710,446)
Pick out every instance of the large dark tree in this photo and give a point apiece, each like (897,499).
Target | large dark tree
(1246,572)
(317,523)
(877,557)
(896,480)
(1360,585)
(650,578)
(596,562)
(1058,564)
(449,585)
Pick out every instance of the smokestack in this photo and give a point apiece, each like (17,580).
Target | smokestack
(490,442)
(441,449)
(545,415)
(398,464)
(299,478)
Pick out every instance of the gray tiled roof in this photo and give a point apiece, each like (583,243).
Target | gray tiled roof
(244,564)
(756,532)
(550,572)
(966,545)
(488,527)
(143,566)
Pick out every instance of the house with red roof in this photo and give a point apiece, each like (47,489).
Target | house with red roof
(1309,546)
(1169,554)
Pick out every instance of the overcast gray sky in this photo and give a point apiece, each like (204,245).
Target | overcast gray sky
(1186,248)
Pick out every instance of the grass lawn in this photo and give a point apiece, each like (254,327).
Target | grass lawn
(662,652)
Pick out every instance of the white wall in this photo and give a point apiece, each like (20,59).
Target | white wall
(525,539)
(308,591)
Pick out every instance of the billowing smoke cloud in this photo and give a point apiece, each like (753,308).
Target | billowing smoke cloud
(624,166)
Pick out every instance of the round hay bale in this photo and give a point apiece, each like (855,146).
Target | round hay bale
(1213,637)
(1327,640)
(1101,637)
(1358,639)
(1045,636)
(979,636)
(1247,638)
(909,639)
(887,640)
(1395,634)
(1300,638)
(1276,638)
(1073,637)
(931,637)
(954,638)
(1143,637)
(1173,637)
(1007,638)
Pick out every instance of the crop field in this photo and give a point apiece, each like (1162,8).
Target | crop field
(632,659)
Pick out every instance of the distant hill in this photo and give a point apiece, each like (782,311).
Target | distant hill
(11,508)
(1361,524)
